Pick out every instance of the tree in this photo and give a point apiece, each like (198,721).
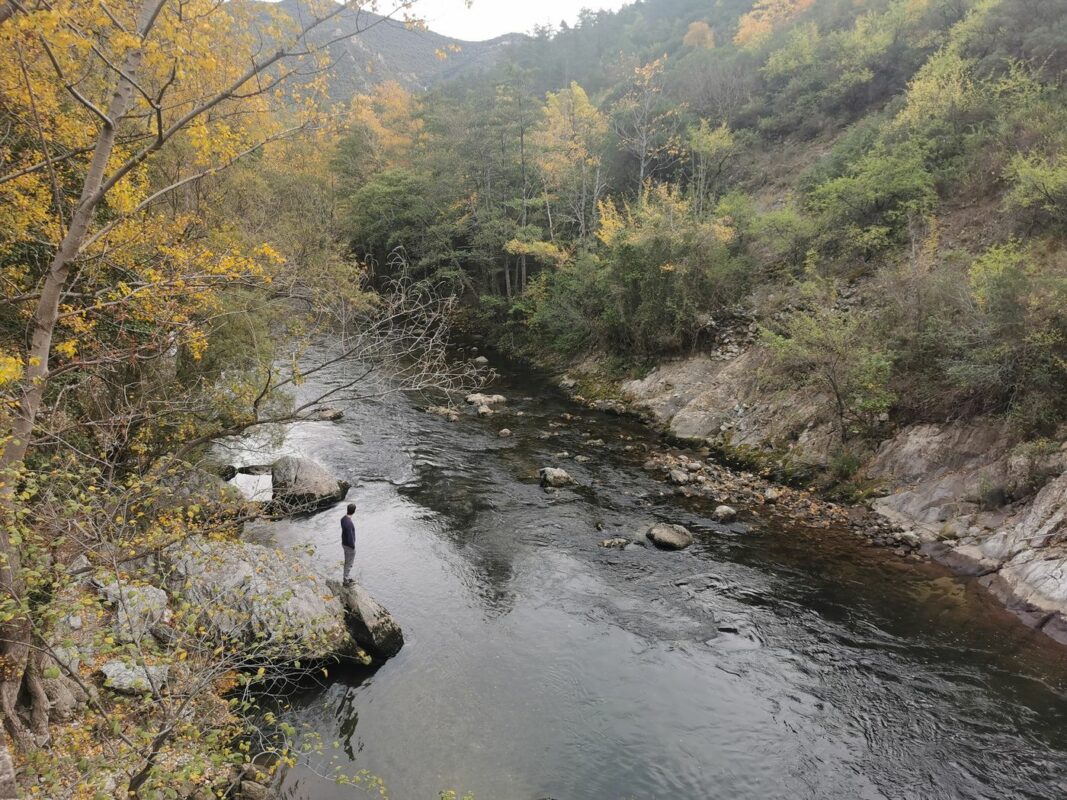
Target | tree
(710,149)
(756,27)
(117,112)
(700,35)
(645,128)
(568,144)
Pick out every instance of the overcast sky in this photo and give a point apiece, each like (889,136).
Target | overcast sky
(489,18)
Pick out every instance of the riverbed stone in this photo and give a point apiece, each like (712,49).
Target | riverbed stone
(504,433)
(327,414)
(480,399)
(451,414)
(679,477)
(481,361)
(669,537)
(616,543)
(725,513)
(555,477)
(299,484)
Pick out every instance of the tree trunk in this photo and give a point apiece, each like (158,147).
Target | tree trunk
(15,636)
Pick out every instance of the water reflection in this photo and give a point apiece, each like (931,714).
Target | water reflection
(767,663)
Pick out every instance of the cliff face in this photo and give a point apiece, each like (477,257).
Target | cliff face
(983,501)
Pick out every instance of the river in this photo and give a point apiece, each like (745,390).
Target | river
(764,662)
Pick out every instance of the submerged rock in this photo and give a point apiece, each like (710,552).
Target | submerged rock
(485,411)
(300,484)
(504,433)
(617,543)
(327,414)
(553,476)
(444,411)
(669,537)
(481,361)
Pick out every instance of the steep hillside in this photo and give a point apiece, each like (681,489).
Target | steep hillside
(388,49)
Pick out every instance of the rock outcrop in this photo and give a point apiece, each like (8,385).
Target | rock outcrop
(138,609)
(126,678)
(969,492)
(712,399)
(300,484)
(272,601)
(369,623)
(262,597)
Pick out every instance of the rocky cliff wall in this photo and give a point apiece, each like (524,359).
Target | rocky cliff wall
(981,500)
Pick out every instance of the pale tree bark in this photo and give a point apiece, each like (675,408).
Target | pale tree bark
(15,646)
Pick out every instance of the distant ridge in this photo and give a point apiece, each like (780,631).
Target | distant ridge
(388,50)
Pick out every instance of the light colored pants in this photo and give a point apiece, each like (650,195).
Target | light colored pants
(350,557)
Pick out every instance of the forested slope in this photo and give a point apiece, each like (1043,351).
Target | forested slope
(618,186)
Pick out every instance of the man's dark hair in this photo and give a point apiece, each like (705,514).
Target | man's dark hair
(351,508)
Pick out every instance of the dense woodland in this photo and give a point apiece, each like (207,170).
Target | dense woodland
(881,185)
(625,185)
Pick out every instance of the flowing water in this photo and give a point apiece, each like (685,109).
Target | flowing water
(763,662)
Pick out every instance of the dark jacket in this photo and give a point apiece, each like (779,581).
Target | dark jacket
(348,531)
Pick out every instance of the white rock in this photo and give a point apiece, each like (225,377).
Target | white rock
(725,513)
(553,476)
(134,678)
(137,609)
(669,537)
(300,483)
(479,399)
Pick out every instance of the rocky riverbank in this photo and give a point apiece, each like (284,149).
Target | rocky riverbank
(969,494)
(201,621)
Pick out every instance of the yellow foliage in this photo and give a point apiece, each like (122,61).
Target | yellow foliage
(756,27)
(10,368)
(700,35)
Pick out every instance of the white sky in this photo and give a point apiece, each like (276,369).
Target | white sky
(489,18)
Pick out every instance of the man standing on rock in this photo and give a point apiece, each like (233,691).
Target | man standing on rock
(348,542)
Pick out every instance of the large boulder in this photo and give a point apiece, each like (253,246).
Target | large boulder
(137,609)
(369,623)
(126,678)
(300,484)
(669,537)
(261,597)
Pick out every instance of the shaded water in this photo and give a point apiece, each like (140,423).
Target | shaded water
(771,663)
